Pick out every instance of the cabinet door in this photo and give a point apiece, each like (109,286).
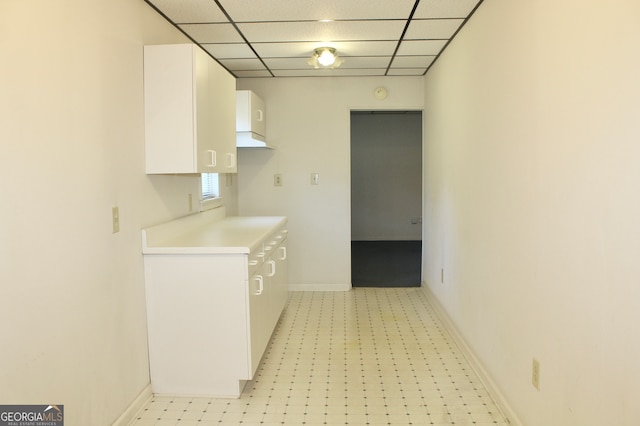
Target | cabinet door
(258,115)
(250,113)
(197,329)
(189,112)
(281,284)
(204,143)
(221,117)
(258,313)
(277,282)
(169,105)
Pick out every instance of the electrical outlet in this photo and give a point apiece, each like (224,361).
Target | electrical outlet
(535,374)
(315,178)
(115,220)
(277,179)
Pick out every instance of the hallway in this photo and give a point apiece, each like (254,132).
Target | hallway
(371,356)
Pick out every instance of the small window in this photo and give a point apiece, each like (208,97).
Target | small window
(210,191)
(210,186)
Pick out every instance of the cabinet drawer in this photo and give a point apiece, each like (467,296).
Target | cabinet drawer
(255,261)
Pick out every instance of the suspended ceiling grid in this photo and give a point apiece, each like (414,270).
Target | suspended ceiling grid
(274,38)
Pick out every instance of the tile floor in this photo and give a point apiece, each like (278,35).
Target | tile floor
(371,356)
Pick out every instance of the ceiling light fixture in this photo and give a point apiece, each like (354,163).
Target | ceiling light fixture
(325,57)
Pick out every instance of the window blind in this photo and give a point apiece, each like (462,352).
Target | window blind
(210,187)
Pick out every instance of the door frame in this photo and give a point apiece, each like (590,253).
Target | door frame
(422,177)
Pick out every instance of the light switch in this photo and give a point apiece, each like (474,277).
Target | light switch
(315,178)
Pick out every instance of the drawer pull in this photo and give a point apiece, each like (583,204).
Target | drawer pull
(212,158)
(283,253)
(260,281)
(231,160)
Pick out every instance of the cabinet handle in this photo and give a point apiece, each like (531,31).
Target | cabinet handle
(272,263)
(260,285)
(231,160)
(260,114)
(212,157)
(284,253)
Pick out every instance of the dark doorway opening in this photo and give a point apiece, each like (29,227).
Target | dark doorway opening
(386,263)
(386,198)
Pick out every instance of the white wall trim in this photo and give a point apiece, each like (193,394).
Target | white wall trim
(469,354)
(319,287)
(134,408)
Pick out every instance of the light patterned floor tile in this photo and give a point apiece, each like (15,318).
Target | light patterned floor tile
(366,357)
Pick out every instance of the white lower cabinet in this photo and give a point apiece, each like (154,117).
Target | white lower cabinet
(211,316)
(268,292)
(278,279)
(259,308)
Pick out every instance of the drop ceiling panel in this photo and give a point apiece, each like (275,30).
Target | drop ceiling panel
(412,61)
(212,33)
(338,72)
(366,62)
(274,38)
(190,11)
(286,63)
(295,10)
(242,64)
(345,48)
(229,51)
(421,47)
(406,71)
(432,29)
(445,8)
(322,31)
(351,62)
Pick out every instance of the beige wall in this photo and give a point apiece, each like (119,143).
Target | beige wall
(308,122)
(73,314)
(533,199)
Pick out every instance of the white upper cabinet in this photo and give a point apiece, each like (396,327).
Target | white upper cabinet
(189,112)
(251,120)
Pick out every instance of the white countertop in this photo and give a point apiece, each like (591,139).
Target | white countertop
(204,233)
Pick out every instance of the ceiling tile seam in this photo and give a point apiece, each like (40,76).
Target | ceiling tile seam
(304,21)
(222,9)
(187,35)
(350,69)
(404,31)
(293,21)
(424,55)
(453,36)
(352,40)
(327,21)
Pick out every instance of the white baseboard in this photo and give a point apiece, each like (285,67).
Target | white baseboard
(134,408)
(470,356)
(319,287)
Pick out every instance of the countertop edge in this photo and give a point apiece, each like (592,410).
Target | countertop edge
(227,235)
